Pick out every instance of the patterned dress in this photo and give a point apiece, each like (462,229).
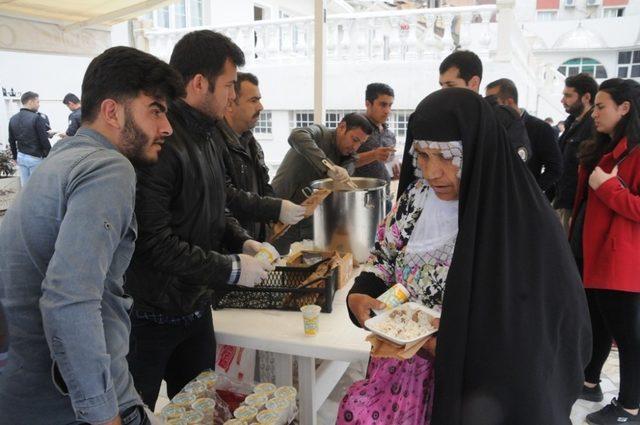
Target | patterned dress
(400,392)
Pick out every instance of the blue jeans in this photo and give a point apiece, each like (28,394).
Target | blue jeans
(27,164)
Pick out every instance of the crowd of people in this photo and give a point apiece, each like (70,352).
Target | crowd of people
(522,233)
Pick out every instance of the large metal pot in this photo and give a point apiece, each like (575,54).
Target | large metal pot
(348,218)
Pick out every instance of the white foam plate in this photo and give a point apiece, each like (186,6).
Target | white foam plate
(371,323)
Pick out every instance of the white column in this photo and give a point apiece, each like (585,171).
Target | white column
(319,60)
(506,24)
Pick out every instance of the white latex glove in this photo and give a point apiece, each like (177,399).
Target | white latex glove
(291,213)
(251,247)
(252,270)
(338,174)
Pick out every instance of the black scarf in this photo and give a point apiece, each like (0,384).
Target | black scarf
(515,332)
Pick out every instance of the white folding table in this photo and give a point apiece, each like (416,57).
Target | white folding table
(338,343)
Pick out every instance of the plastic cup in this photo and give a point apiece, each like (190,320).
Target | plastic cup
(184,399)
(284,405)
(198,388)
(266,389)
(194,418)
(256,400)
(176,422)
(311,318)
(206,406)
(393,297)
(271,417)
(235,421)
(268,253)
(286,392)
(172,411)
(245,413)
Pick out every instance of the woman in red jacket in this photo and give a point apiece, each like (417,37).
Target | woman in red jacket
(609,179)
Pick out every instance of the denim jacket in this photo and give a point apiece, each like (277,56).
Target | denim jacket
(65,244)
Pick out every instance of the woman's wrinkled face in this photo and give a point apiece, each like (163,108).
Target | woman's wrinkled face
(441,169)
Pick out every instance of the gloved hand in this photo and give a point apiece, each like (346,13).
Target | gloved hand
(251,247)
(291,213)
(252,271)
(338,174)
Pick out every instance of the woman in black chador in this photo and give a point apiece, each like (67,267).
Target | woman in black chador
(515,332)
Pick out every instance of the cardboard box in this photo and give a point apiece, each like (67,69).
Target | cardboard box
(343,261)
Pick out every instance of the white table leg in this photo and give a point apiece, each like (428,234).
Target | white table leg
(306,390)
(327,376)
(284,369)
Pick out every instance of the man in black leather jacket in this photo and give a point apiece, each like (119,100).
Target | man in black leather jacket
(185,230)
(28,137)
(244,162)
(463,69)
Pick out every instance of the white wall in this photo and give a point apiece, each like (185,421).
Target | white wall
(51,76)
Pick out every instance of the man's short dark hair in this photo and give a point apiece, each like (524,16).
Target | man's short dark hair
(244,76)
(549,120)
(27,96)
(376,89)
(123,73)
(468,63)
(357,120)
(70,98)
(506,89)
(204,52)
(583,83)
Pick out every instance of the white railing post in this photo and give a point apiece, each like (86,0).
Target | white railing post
(506,25)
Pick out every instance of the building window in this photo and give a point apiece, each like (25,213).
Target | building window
(398,123)
(576,66)
(163,17)
(613,12)
(180,14)
(263,125)
(629,64)
(301,119)
(547,15)
(196,12)
(333,118)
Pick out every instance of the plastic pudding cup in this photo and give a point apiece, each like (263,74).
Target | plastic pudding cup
(235,421)
(271,417)
(206,406)
(268,253)
(265,389)
(176,422)
(393,297)
(311,319)
(198,388)
(245,413)
(172,411)
(194,418)
(286,392)
(256,400)
(286,405)
(184,399)
(209,378)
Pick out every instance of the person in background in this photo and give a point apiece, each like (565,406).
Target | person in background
(545,162)
(28,136)
(463,69)
(65,244)
(556,131)
(605,234)
(561,127)
(577,98)
(305,161)
(188,245)
(72,102)
(379,149)
(244,160)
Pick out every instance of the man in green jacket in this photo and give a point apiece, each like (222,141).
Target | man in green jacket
(310,148)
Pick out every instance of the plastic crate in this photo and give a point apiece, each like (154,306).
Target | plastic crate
(281,291)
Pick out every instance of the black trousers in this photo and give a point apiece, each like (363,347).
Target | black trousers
(176,353)
(615,315)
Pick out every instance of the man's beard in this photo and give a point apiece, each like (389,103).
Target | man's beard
(576,109)
(134,142)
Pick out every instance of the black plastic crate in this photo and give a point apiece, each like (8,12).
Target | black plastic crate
(280,291)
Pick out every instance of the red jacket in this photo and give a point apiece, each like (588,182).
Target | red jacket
(611,234)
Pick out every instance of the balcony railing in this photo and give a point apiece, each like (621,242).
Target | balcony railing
(405,35)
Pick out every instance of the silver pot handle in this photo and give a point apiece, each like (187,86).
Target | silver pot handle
(368,201)
(307,191)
